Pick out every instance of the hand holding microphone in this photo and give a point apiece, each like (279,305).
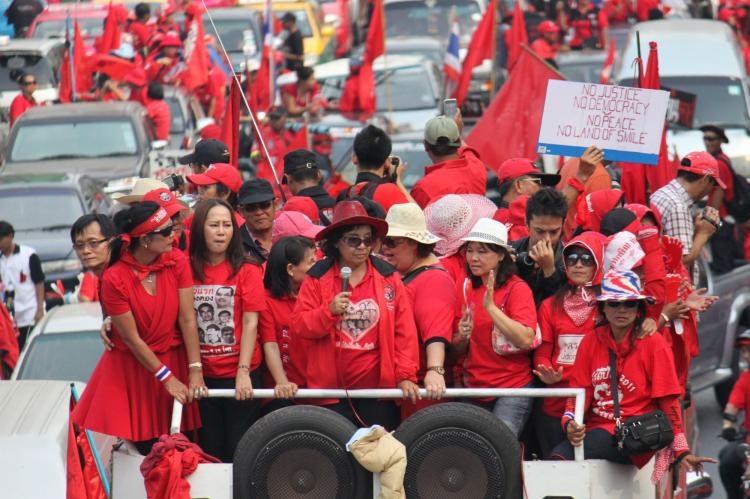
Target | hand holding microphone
(341,301)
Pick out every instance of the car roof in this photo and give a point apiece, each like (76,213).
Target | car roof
(39,180)
(687,47)
(340,67)
(31,45)
(230,13)
(83,109)
(73,318)
(34,407)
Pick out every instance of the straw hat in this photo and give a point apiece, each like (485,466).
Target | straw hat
(452,216)
(489,231)
(140,188)
(407,220)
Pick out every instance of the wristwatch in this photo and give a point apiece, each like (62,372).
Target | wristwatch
(438,369)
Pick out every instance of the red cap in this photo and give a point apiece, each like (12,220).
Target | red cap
(136,76)
(702,163)
(170,41)
(165,199)
(518,167)
(303,204)
(725,14)
(548,27)
(227,174)
(293,223)
(211,131)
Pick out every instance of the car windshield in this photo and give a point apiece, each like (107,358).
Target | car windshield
(719,100)
(42,360)
(12,66)
(236,34)
(71,140)
(303,24)
(34,209)
(587,72)
(55,28)
(416,18)
(175,111)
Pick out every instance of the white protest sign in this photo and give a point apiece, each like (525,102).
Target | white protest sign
(626,123)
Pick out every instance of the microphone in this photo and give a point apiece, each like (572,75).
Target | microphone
(346,273)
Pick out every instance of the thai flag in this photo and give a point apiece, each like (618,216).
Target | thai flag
(267,24)
(452,63)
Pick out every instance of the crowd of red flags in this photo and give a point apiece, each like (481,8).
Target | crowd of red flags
(482,47)
(517,36)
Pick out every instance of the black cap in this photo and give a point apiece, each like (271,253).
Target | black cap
(207,152)
(276,112)
(297,160)
(616,220)
(254,191)
(6,229)
(717,130)
(288,18)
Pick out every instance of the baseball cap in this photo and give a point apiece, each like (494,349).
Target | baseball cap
(297,160)
(518,167)
(257,190)
(166,200)
(444,130)
(303,204)
(702,163)
(223,173)
(548,27)
(207,152)
(293,223)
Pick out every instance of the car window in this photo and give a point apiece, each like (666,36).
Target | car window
(12,66)
(236,35)
(176,113)
(303,23)
(84,139)
(55,28)
(30,209)
(42,360)
(417,18)
(587,72)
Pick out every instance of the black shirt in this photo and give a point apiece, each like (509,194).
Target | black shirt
(294,44)
(252,247)
(323,201)
(542,287)
(21,13)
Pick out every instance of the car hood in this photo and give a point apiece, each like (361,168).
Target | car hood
(48,244)
(103,168)
(686,141)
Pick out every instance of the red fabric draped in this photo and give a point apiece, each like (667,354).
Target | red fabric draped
(230,127)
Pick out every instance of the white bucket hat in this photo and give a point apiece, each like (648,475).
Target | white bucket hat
(489,231)
(140,188)
(407,220)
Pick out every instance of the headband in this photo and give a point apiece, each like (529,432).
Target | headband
(153,223)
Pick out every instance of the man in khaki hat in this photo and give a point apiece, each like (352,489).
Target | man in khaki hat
(456,168)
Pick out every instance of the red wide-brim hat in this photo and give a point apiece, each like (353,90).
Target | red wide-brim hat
(349,213)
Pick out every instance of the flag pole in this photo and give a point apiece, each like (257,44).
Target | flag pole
(493,66)
(71,62)
(640,66)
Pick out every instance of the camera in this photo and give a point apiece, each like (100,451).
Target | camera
(524,258)
(174,182)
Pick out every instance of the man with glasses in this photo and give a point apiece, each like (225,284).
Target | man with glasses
(519,177)
(25,100)
(724,246)
(257,204)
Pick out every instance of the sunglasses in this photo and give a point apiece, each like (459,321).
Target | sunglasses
(356,242)
(92,244)
(536,180)
(708,138)
(586,259)
(391,243)
(165,232)
(618,304)
(257,206)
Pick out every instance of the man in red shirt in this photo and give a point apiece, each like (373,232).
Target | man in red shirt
(139,28)
(158,111)
(456,168)
(162,64)
(590,26)
(548,43)
(519,177)
(211,95)
(25,100)
(277,138)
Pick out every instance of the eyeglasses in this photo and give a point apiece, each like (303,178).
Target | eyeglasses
(586,259)
(257,206)
(626,304)
(356,242)
(92,244)
(536,180)
(27,83)
(391,243)
(165,232)
(708,138)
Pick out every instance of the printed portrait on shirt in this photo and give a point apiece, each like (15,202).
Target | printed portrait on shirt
(214,311)
(356,324)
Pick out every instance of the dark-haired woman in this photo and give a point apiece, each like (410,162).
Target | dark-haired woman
(565,319)
(285,360)
(228,295)
(148,292)
(646,379)
(364,337)
(91,236)
(496,323)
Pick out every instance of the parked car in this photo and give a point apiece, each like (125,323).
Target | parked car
(64,346)
(240,31)
(185,111)
(701,57)
(581,65)
(51,23)
(42,208)
(105,140)
(42,58)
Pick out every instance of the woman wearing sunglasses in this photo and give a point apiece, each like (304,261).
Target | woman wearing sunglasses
(646,380)
(228,289)
(148,292)
(565,319)
(364,336)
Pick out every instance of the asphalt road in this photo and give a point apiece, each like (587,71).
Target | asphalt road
(709,426)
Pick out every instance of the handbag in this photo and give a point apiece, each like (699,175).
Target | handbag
(648,432)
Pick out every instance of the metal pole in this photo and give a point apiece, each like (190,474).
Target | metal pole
(639,66)
(71,61)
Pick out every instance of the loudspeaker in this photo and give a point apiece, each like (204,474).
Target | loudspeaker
(298,452)
(457,450)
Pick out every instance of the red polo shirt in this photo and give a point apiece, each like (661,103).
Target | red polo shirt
(465,175)
(740,397)
(159,114)
(19,106)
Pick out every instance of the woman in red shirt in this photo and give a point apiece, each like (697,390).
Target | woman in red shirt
(646,379)
(565,319)
(303,96)
(363,337)
(431,292)
(290,259)
(496,323)
(228,297)
(148,292)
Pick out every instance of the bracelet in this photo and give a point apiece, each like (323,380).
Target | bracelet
(195,365)
(163,373)
(243,366)
(666,319)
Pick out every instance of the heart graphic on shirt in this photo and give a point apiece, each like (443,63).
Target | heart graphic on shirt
(360,318)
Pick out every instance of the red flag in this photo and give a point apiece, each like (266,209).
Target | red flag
(110,39)
(482,47)
(230,126)
(113,66)
(83,80)
(374,48)
(343,32)
(195,73)
(509,127)
(609,62)
(517,36)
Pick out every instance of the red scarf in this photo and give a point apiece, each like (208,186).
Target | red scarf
(142,271)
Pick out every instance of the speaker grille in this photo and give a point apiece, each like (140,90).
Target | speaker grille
(301,465)
(453,463)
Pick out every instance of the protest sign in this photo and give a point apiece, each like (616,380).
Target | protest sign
(626,123)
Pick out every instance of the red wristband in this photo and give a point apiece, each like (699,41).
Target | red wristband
(576,184)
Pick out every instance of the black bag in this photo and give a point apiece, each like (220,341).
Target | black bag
(640,434)
(739,206)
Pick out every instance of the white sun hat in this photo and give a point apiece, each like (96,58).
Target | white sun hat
(489,231)
(407,220)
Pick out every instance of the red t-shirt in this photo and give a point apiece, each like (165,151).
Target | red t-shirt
(725,173)
(455,265)
(159,114)
(19,106)
(220,302)
(141,33)
(386,194)
(89,286)
(740,397)
(484,367)
(544,49)
(275,326)
(465,175)
(432,294)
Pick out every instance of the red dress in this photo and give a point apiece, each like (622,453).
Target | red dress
(122,397)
